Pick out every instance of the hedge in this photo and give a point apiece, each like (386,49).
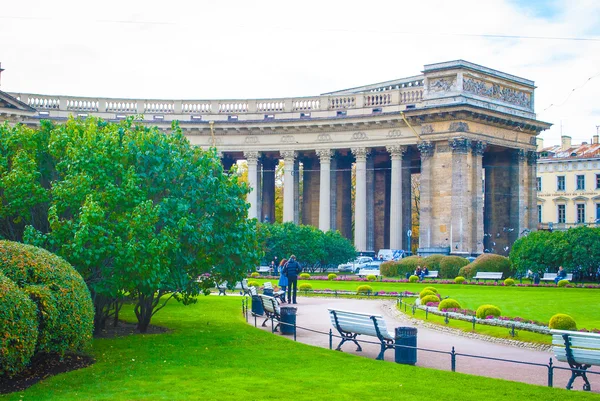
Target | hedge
(389,268)
(409,265)
(432,262)
(450,266)
(488,262)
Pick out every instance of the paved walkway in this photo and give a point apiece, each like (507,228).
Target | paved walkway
(313,314)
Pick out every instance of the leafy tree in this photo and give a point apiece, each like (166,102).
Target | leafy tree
(539,251)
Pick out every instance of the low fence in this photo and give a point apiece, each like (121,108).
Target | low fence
(549,368)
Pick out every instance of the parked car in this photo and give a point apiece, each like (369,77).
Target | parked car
(355,265)
(390,254)
(370,268)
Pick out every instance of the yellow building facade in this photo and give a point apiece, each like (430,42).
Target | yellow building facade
(568,184)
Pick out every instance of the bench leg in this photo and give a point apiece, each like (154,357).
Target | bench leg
(266,320)
(346,337)
(384,347)
(579,373)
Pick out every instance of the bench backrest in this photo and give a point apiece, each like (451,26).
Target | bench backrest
(263,269)
(222,284)
(270,304)
(585,347)
(268,285)
(368,272)
(491,275)
(552,276)
(432,273)
(253,291)
(360,323)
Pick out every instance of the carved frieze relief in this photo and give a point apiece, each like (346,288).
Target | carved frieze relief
(497,91)
(427,129)
(441,84)
(395,133)
(250,140)
(359,136)
(459,126)
(324,137)
(288,139)
(460,145)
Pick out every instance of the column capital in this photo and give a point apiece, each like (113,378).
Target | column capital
(360,154)
(532,157)
(396,151)
(460,145)
(324,155)
(519,155)
(289,155)
(478,147)
(251,156)
(426,148)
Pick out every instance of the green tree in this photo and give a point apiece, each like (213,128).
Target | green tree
(540,251)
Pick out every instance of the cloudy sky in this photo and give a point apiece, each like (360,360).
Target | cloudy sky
(259,49)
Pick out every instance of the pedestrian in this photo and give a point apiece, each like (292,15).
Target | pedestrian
(283,280)
(561,274)
(424,272)
(292,269)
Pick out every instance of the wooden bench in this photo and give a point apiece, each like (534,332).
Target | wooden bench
(580,350)
(368,272)
(351,324)
(552,276)
(272,311)
(263,269)
(488,276)
(432,274)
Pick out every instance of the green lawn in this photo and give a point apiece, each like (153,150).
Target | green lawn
(213,354)
(536,303)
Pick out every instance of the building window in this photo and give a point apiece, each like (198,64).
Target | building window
(581,213)
(580,182)
(539,183)
(597,181)
(560,183)
(561,214)
(597,213)
(539,213)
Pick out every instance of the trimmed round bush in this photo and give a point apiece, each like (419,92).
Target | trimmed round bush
(389,268)
(371,277)
(364,289)
(19,327)
(449,303)
(459,280)
(305,287)
(331,276)
(509,282)
(488,262)
(428,299)
(562,283)
(451,265)
(487,310)
(413,279)
(409,265)
(304,276)
(561,321)
(64,305)
(253,283)
(432,289)
(255,275)
(425,293)
(432,262)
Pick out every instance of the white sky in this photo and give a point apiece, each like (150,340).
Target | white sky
(260,49)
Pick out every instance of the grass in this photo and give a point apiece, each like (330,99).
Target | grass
(213,354)
(535,303)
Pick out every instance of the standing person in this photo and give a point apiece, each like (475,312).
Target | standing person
(292,269)
(560,275)
(283,280)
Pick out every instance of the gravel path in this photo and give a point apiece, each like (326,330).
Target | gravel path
(312,314)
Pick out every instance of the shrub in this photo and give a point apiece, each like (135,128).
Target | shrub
(255,275)
(459,280)
(509,282)
(413,279)
(304,276)
(364,289)
(429,298)
(389,268)
(409,265)
(331,276)
(19,327)
(487,310)
(488,262)
(371,277)
(305,287)
(253,283)
(425,293)
(449,303)
(450,266)
(432,262)
(562,283)
(560,321)
(64,306)
(432,289)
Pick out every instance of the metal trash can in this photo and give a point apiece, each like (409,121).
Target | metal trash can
(257,308)
(288,319)
(406,336)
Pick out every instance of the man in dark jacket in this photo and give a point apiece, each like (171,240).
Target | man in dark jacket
(292,269)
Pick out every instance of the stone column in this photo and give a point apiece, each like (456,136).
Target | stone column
(396,224)
(425,220)
(289,157)
(296,191)
(462,196)
(360,202)
(325,190)
(519,183)
(268,189)
(370,202)
(252,198)
(333,193)
(478,149)
(532,192)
